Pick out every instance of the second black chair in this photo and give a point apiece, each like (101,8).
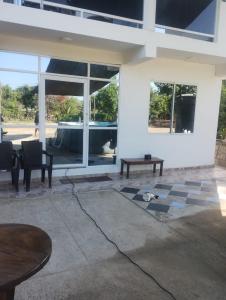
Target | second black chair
(31,158)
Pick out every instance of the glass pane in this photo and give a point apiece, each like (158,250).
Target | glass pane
(18,97)
(61,10)
(101,71)
(161,96)
(52,65)
(64,102)
(184,109)
(196,15)
(103,103)
(102,147)
(17,61)
(65,144)
(17,135)
(30,4)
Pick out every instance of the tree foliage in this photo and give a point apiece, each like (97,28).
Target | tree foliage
(160,96)
(21,104)
(104,105)
(221,132)
(63,108)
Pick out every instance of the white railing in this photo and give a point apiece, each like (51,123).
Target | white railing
(184,32)
(78,12)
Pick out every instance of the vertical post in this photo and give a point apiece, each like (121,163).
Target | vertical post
(172,109)
(1,129)
(149,12)
(41,4)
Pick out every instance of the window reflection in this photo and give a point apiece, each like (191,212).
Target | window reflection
(19,97)
(65,144)
(53,65)
(184,108)
(101,71)
(104,102)
(64,102)
(102,147)
(172,108)
(198,16)
(160,107)
(17,135)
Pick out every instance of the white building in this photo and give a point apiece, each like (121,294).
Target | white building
(163,60)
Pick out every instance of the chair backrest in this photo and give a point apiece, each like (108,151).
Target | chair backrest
(32,153)
(6,155)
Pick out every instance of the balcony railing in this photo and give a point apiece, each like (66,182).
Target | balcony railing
(78,12)
(185,33)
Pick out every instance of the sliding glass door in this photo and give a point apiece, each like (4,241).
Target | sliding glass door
(62,119)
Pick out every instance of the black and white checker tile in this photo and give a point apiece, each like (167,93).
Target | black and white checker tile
(175,200)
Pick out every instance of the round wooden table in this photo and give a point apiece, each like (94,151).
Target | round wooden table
(24,250)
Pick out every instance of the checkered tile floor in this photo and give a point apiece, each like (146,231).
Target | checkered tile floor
(175,200)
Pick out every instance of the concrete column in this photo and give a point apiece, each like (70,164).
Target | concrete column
(149,10)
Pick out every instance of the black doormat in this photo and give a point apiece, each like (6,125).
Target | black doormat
(85,179)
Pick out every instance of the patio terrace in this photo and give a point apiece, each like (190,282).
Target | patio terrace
(184,248)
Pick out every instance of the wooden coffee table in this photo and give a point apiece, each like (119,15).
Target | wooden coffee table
(141,161)
(24,250)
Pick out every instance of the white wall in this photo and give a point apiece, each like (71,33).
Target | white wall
(178,150)
(134,140)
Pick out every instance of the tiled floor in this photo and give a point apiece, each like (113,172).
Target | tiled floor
(177,199)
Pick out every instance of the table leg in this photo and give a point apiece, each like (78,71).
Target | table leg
(127,174)
(154,168)
(7,294)
(161,169)
(122,167)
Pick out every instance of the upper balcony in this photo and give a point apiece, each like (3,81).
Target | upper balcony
(115,12)
(194,19)
(142,28)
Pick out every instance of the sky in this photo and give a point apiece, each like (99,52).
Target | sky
(20,62)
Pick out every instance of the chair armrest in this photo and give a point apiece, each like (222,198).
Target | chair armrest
(49,155)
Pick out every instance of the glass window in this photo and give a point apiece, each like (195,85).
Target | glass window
(103,116)
(65,144)
(64,102)
(184,108)
(17,135)
(18,97)
(198,16)
(101,71)
(102,147)
(160,109)
(172,108)
(53,65)
(18,61)
(103,103)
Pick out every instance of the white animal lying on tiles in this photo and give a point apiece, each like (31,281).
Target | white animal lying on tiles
(147,197)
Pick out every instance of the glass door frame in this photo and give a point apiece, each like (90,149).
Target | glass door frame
(42,114)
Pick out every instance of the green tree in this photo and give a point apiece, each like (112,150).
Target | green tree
(27,96)
(63,108)
(221,132)
(105,103)
(10,108)
(160,101)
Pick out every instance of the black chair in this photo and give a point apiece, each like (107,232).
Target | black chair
(31,158)
(9,162)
